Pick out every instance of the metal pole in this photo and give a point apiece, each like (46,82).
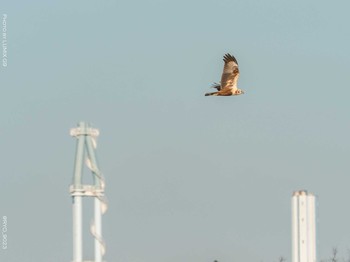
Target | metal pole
(77,229)
(99,185)
(79,157)
(93,162)
(77,199)
(98,231)
(85,144)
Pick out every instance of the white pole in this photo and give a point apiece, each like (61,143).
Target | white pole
(295,227)
(77,229)
(98,231)
(85,136)
(303,227)
(312,229)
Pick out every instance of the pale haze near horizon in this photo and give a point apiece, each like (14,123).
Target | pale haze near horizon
(188,177)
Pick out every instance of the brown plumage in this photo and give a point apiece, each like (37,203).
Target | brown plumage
(229,79)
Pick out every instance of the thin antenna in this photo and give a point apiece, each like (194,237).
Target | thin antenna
(86,145)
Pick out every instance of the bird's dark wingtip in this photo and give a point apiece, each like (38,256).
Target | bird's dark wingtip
(228,57)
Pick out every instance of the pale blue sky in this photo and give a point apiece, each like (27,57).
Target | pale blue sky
(189,178)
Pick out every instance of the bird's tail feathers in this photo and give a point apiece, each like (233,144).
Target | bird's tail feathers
(212,94)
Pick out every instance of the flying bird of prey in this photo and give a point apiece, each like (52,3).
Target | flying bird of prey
(229,79)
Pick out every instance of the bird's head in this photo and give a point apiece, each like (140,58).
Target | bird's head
(239,92)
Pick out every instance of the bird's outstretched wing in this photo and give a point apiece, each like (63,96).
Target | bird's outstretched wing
(230,74)
(216,85)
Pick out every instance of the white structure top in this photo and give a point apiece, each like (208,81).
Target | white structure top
(303,227)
